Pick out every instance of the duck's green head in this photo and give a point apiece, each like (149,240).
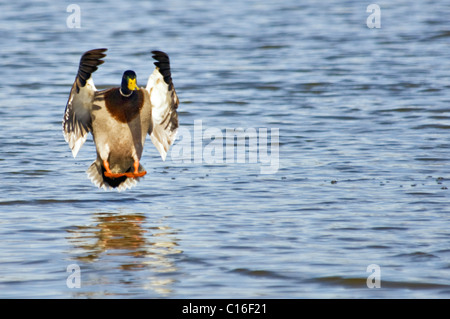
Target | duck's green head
(128,83)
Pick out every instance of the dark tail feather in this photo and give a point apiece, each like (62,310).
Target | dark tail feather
(96,174)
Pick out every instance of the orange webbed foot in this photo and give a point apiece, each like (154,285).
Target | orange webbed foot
(115,175)
(134,174)
(108,172)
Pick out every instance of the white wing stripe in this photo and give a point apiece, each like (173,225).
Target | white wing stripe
(162,100)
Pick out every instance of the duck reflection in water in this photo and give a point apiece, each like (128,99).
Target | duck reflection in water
(129,243)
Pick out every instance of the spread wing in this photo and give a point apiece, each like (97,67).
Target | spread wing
(77,117)
(164,102)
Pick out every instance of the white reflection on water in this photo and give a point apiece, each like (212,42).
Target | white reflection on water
(135,246)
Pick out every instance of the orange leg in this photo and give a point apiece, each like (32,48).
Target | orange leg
(108,172)
(136,172)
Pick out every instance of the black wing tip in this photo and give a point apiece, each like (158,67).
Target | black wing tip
(96,51)
(89,62)
(163,63)
(93,56)
(159,55)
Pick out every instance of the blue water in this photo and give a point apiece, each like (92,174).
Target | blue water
(363,152)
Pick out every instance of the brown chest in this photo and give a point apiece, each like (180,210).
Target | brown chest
(123,109)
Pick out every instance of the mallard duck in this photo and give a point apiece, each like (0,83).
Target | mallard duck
(120,118)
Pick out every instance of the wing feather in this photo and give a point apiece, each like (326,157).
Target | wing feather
(77,116)
(164,100)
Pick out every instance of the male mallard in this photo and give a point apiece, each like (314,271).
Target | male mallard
(120,119)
